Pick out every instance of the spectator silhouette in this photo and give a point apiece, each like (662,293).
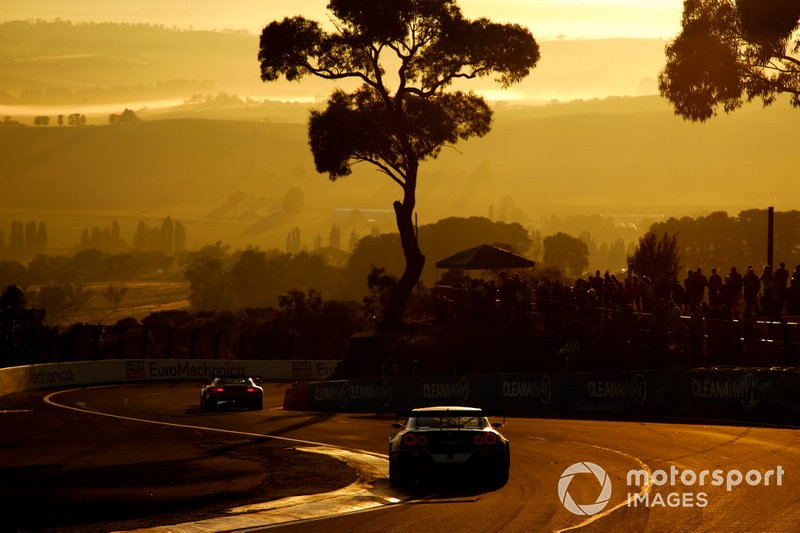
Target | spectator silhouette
(768,286)
(751,285)
(737,283)
(781,278)
(714,286)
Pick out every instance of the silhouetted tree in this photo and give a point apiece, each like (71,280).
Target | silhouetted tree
(567,252)
(16,319)
(427,45)
(213,251)
(655,258)
(126,117)
(180,237)
(163,238)
(62,299)
(13,273)
(730,50)
(293,201)
(380,285)
(76,120)
(114,295)
(250,279)
(41,238)
(293,241)
(210,286)
(336,237)
(17,238)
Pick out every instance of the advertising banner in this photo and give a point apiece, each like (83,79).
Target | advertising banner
(59,375)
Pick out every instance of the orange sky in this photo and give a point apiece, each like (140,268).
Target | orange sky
(547,19)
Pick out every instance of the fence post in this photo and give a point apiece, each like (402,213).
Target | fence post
(737,331)
(217,342)
(120,342)
(145,333)
(787,343)
(168,344)
(96,342)
(192,342)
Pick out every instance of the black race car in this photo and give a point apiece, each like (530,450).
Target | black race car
(449,439)
(232,392)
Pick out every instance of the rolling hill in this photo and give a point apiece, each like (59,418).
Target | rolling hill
(226,179)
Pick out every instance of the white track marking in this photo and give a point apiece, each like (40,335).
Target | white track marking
(49,399)
(644,490)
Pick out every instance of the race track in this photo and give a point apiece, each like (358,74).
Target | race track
(757,469)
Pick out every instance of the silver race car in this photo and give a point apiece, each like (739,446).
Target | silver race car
(232,392)
(448,438)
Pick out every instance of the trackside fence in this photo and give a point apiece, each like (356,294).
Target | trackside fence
(63,375)
(745,395)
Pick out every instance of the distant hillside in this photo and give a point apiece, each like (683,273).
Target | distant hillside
(227,180)
(60,62)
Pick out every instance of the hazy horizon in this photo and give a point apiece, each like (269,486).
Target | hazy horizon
(620,157)
(547,19)
(567,71)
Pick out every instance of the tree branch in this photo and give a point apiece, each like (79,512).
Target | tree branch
(789,59)
(386,169)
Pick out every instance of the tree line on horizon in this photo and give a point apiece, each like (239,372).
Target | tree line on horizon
(24,239)
(225,279)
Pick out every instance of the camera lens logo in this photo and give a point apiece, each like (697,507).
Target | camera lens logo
(602,499)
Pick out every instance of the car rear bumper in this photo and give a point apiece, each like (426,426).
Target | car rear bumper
(421,464)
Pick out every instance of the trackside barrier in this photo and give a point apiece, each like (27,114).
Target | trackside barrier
(739,394)
(23,378)
(296,398)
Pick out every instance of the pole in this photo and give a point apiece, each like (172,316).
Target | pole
(416,233)
(770,235)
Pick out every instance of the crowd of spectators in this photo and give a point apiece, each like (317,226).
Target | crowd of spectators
(770,294)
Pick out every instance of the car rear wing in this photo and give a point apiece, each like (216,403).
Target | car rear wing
(256,379)
(492,413)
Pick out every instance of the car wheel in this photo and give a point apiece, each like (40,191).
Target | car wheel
(503,471)
(394,475)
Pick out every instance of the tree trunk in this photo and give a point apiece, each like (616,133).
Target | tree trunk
(415,261)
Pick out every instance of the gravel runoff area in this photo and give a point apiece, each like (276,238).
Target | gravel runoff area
(149,477)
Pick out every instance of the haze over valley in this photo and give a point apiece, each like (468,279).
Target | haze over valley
(224,153)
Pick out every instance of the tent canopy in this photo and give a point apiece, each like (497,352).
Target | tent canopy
(485,257)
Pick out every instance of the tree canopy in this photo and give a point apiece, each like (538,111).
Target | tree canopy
(656,259)
(405,54)
(566,252)
(729,51)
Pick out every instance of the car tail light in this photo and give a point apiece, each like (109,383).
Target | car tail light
(251,389)
(422,440)
(409,439)
(217,389)
(488,438)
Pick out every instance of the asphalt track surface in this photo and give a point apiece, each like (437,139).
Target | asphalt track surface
(542,450)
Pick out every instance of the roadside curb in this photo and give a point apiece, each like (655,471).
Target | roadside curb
(369,491)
